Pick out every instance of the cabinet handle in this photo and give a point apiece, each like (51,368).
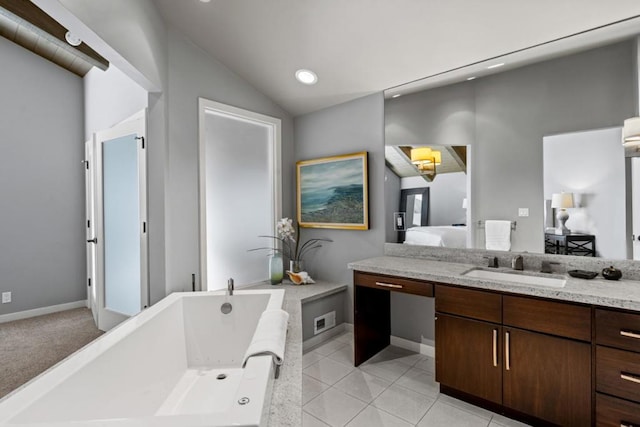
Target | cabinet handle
(495,347)
(507,359)
(630,334)
(630,377)
(388,285)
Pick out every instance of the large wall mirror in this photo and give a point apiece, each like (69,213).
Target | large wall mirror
(532,134)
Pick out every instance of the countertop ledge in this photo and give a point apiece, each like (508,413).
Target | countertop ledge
(286,398)
(624,294)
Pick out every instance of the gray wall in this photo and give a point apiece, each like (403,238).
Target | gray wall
(505,116)
(347,128)
(193,73)
(41,182)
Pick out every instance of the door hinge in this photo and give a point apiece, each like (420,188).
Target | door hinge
(141,138)
(88,223)
(144,226)
(86,164)
(89,282)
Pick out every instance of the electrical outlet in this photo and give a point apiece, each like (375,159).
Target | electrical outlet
(523,211)
(6,297)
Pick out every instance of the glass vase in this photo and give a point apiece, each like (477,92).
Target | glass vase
(296,265)
(276,269)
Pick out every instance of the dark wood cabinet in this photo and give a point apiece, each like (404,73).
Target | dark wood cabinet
(483,349)
(547,377)
(614,412)
(545,361)
(477,372)
(617,359)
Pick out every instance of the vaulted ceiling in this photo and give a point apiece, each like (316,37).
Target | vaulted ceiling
(358,47)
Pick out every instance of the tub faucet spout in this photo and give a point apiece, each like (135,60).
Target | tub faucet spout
(230,287)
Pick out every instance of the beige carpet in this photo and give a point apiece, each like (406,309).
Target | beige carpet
(30,346)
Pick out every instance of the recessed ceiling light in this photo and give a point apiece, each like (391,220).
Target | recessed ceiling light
(397,95)
(496,65)
(205,1)
(72,39)
(471,78)
(307,77)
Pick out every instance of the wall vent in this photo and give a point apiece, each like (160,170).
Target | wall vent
(324,322)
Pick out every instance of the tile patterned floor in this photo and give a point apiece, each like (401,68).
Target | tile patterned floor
(395,388)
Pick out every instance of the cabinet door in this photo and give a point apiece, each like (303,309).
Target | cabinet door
(468,356)
(547,377)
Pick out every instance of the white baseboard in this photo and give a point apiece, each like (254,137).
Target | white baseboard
(428,348)
(42,310)
(324,336)
(348,327)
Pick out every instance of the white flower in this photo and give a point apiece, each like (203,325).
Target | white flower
(285,229)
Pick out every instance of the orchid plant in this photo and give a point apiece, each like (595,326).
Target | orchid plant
(291,247)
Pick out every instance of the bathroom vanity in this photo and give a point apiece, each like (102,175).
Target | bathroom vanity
(565,355)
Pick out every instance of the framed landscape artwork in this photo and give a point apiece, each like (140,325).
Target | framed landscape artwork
(333,192)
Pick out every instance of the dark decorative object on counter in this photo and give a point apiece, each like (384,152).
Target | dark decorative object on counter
(611,273)
(582,274)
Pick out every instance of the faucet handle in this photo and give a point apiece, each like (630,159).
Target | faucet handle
(493,261)
(546,266)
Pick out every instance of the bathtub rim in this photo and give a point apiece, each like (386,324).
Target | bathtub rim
(19,399)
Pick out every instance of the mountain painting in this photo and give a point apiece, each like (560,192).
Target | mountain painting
(332,192)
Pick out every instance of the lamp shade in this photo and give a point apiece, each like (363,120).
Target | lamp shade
(562,200)
(631,132)
(421,154)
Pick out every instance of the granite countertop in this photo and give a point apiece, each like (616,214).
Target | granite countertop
(617,294)
(286,400)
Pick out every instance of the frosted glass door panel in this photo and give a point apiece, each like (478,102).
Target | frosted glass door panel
(239,200)
(122,256)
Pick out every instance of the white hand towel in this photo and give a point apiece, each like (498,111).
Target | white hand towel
(269,337)
(497,235)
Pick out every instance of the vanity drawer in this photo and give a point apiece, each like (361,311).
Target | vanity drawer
(613,412)
(393,283)
(618,373)
(465,302)
(617,329)
(549,317)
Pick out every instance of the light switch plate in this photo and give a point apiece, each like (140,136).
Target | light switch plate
(6,297)
(523,211)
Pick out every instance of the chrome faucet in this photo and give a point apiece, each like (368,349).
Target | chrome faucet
(517,262)
(230,287)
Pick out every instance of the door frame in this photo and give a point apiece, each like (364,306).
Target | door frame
(207,106)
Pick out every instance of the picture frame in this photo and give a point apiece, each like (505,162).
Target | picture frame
(333,192)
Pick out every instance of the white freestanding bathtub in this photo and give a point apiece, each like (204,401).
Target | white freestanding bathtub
(163,367)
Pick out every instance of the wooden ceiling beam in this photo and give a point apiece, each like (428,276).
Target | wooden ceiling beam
(32,16)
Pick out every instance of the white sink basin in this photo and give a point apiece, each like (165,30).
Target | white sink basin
(517,278)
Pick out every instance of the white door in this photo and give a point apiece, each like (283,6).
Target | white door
(89,167)
(635,205)
(120,193)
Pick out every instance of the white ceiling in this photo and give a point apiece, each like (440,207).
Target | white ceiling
(358,47)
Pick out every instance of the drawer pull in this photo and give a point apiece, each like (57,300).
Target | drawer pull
(630,377)
(389,285)
(495,347)
(630,334)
